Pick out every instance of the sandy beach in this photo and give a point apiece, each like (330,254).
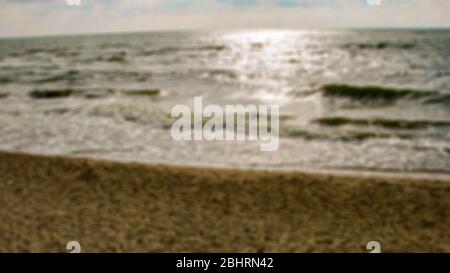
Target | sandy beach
(47,201)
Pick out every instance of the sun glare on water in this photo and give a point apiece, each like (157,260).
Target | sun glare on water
(267,59)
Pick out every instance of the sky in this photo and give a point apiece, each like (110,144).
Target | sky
(48,17)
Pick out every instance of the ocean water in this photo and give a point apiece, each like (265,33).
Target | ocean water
(111,95)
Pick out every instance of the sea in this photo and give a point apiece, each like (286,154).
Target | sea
(350,100)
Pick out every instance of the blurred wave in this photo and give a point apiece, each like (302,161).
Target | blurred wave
(360,99)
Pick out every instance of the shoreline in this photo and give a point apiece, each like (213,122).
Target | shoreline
(110,206)
(443,176)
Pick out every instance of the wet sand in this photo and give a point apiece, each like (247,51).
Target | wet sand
(47,201)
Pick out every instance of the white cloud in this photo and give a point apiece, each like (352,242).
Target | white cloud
(54,16)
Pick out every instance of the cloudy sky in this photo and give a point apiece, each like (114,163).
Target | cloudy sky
(38,17)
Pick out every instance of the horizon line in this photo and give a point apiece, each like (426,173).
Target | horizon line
(122,32)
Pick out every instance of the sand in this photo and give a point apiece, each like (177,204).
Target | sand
(47,201)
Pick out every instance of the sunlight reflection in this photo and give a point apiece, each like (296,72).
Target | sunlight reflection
(264,58)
